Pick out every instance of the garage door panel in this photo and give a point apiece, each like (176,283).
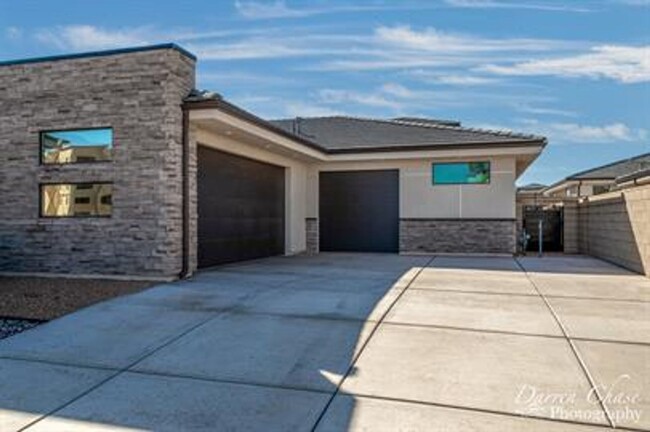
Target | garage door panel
(359,211)
(241,206)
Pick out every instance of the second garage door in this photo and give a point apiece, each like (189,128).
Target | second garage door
(359,211)
(240,208)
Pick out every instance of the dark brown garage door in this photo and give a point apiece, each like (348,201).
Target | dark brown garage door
(240,208)
(359,211)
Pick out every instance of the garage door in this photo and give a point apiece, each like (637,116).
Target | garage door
(359,211)
(240,208)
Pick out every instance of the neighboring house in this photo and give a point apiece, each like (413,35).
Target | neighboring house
(597,180)
(113,164)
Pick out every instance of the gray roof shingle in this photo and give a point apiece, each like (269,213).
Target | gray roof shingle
(343,134)
(614,169)
(350,134)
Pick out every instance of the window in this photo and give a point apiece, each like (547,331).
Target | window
(601,189)
(461,173)
(76,146)
(76,200)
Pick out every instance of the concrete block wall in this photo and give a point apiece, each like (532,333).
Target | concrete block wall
(616,227)
(457,235)
(570,228)
(139,95)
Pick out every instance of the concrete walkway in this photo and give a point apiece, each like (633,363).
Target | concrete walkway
(347,342)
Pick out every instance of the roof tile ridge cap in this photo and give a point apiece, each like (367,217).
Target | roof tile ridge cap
(503,133)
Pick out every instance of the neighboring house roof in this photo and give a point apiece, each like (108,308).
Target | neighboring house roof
(614,169)
(342,134)
(531,187)
(608,172)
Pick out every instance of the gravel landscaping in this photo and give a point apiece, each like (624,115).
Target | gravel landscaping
(26,302)
(11,326)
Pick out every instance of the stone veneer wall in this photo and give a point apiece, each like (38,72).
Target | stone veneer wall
(139,94)
(312,237)
(616,227)
(457,235)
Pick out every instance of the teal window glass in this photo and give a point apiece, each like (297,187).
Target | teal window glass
(76,146)
(461,173)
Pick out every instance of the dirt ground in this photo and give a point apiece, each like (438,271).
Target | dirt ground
(48,298)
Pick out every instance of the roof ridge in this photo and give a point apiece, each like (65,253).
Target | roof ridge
(430,125)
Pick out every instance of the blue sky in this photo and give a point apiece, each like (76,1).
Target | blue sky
(577,72)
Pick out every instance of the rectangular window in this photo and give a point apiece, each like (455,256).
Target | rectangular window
(76,200)
(76,146)
(461,173)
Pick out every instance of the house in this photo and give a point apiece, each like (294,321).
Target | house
(113,164)
(597,180)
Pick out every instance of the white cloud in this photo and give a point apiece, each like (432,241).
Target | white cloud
(302,109)
(493,4)
(264,10)
(528,109)
(564,133)
(80,37)
(464,80)
(268,10)
(633,2)
(627,64)
(434,40)
(13,33)
(578,133)
(398,90)
(371,99)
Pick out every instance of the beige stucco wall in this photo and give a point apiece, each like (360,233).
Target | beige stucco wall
(420,199)
(296,181)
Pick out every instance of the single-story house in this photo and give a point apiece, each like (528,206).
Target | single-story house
(112,163)
(597,180)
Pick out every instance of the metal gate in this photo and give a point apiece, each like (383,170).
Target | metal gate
(552,228)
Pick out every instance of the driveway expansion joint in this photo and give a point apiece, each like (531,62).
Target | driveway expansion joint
(573,347)
(367,341)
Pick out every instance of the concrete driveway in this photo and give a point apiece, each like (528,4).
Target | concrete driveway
(347,342)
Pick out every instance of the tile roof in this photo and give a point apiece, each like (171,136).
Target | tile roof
(614,169)
(350,134)
(344,134)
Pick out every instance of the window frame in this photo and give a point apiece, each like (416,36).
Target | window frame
(433,173)
(41,133)
(40,200)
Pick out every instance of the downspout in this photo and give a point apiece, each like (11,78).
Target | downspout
(185,200)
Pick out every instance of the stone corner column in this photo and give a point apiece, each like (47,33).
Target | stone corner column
(312,238)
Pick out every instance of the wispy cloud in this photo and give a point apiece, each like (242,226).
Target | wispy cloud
(84,36)
(265,10)
(633,2)
(627,64)
(434,40)
(80,37)
(494,4)
(13,33)
(529,109)
(577,133)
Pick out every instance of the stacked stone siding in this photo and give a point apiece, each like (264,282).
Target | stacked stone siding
(139,95)
(312,237)
(458,235)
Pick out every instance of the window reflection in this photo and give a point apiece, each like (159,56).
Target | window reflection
(76,200)
(461,173)
(76,146)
